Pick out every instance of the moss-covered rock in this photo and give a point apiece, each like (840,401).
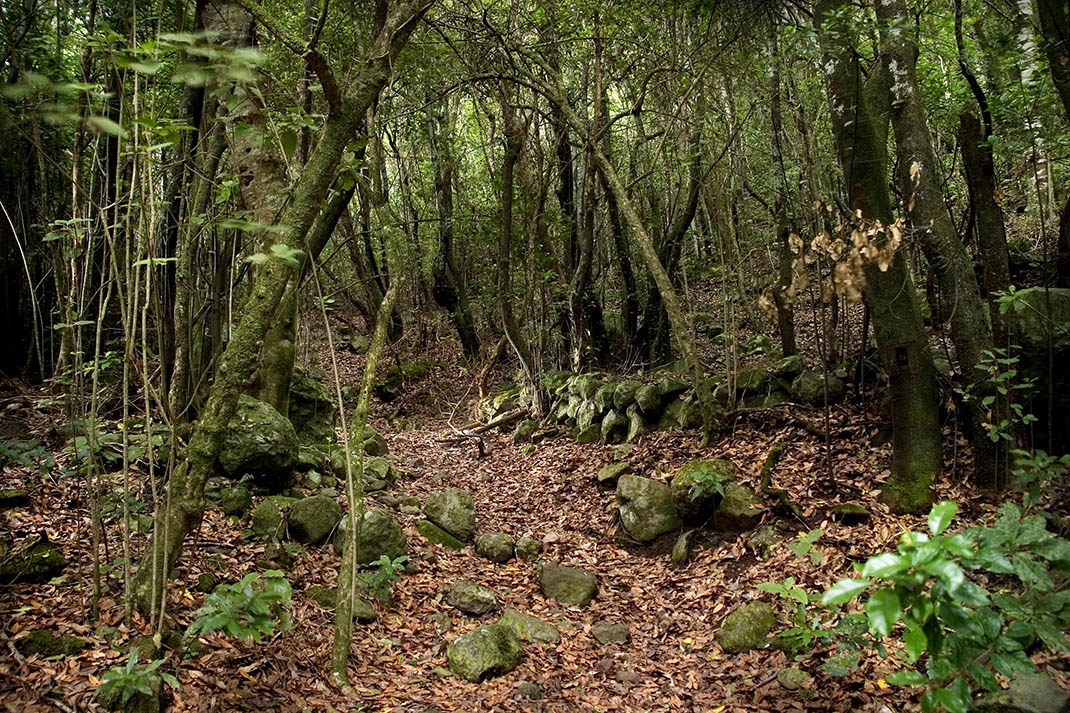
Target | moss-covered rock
(495,546)
(471,598)
(569,585)
(488,651)
(395,379)
(671,385)
(46,643)
(603,398)
(454,510)
(746,628)
(269,517)
(437,536)
(624,394)
(586,414)
(752,380)
(111,699)
(611,473)
(809,388)
(1027,693)
(736,511)
(524,431)
(529,628)
(380,535)
(646,508)
(648,399)
(206,582)
(312,520)
(326,597)
(371,442)
(850,513)
(13,498)
(606,632)
(591,434)
(260,442)
(554,379)
(638,424)
(789,367)
(312,409)
(36,560)
(614,427)
(235,501)
(696,485)
(681,549)
(528,548)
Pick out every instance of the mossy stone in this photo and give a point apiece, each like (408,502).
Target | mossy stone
(13,498)
(471,598)
(524,431)
(311,408)
(646,508)
(681,549)
(327,598)
(269,517)
(624,394)
(614,427)
(611,473)
(488,651)
(495,546)
(529,628)
(437,536)
(569,585)
(381,534)
(261,442)
(851,513)
(737,511)
(692,490)
(235,501)
(746,628)
(312,520)
(46,643)
(454,510)
(590,434)
(528,548)
(610,632)
(35,561)
(206,582)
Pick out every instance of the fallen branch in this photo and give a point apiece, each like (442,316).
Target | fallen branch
(475,433)
(782,496)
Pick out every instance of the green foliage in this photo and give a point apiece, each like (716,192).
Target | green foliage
(131,679)
(954,631)
(1035,472)
(1000,393)
(377,583)
(804,546)
(247,609)
(29,454)
(107,448)
(706,479)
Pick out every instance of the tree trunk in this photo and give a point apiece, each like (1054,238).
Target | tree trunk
(781,298)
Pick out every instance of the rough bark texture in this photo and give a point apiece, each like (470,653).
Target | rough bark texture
(785,313)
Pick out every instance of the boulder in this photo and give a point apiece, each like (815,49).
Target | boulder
(372,442)
(13,498)
(698,486)
(681,549)
(524,431)
(359,344)
(586,386)
(379,535)
(236,500)
(528,628)
(850,513)
(437,536)
(312,520)
(789,367)
(495,546)
(471,598)
(1027,693)
(603,398)
(624,394)
(36,560)
(646,508)
(269,517)
(528,548)
(610,474)
(590,434)
(327,598)
(554,379)
(261,442)
(454,511)
(637,424)
(752,380)
(586,414)
(736,512)
(610,633)
(746,628)
(483,653)
(649,400)
(312,408)
(793,679)
(808,388)
(614,427)
(45,643)
(569,585)
(670,385)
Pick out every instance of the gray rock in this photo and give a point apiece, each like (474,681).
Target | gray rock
(236,500)
(752,380)
(524,431)
(746,628)
(809,388)
(646,509)
(454,511)
(609,474)
(681,549)
(603,398)
(528,548)
(261,442)
(495,546)
(637,424)
(614,427)
(624,394)
(269,517)
(789,367)
(610,633)
(696,485)
(569,585)
(380,535)
(312,520)
(736,512)
(649,400)
(312,408)
(590,434)
(437,536)
(1029,693)
(488,651)
(587,414)
(670,386)
(471,598)
(793,679)
(529,628)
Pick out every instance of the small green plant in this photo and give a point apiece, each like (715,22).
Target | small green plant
(133,678)
(30,454)
(955,632)
(707,478)
(248,609)
(1035,472)
(1003,392)
(804,546)
(376,584)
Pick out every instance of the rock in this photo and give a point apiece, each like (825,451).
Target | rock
(312,408)
(396,377)
(637,424)
(327,598)
(614,427)
(437,536)
(808,388)
(587,414)
(206,582)
(261,442)
(793,679)
(736,511)
(758,344)
(591,434)
(524,431)
(312,520)
(624,394)
(610,633)
(746,628)
(681,549)
(761,543)
(529,628)
(35,561)
(569,585)
(586,386)
(359,344)
(483,653)
(626,675)
(454,511)
(646,509)
(942,364)
(46,643)
(528,690)
(850,513)
(670,386)
(380,535)
(528,548)
(649,400)
(236,500)
(269,517)
(698,486)
(14,498)
(752,380)
(471,598)
(372,443)
(603,398)
(1028,693)
(1042,314)
(495,546)
(554,379)
(442,620)
(609,474)
(789,367)
(111,699)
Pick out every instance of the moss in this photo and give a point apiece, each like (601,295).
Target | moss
(693,487)
(486,652)
(268,517)
(454,510)
(528,548)
(437,536)
(495,546)
(646,508)
(569,585)
(46,643)
(528,628)
(37,560)
(746,628)
(312,520)
(235,501)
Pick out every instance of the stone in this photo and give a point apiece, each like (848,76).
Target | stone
(359,344)
(603,398)
(610,633)
(736,512)
(311,409)
(236,501)
(670,386)
(495,546)
(46,643)
(591,434)
(789,367)
(380,534)
(13,498)
(372,443)
(646,509)
(269,517)
(37,560)
(752,380)
(206,582)
(529,690)
(696,487)
(437,536)
(587,385)
(529,628)
(326,597)
(1027,693)
(524,431)
(312,520)
(649,400)
(528,548)
(454,511)
(746,628)
(587,414)
(261,442)
(637,424)
(681,549)
(442,620)
(793,679)
(762,542)
(111,699)
(554,379)
(483,653)
(851,513)
(611,473)
(471,598)
(808,388)
(624,394)
(569,585)
(614,427)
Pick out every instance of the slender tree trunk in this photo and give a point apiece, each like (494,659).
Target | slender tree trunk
(785,255)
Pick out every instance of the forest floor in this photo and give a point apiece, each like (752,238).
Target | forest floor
(670,662)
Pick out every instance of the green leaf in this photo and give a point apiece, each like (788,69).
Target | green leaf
(1032,573)
(844,590)
(106,125)
(982,676)
(288,139)
(916,642)
(940,516)
(956,697)
(907,677)
(883,610)
(885,565)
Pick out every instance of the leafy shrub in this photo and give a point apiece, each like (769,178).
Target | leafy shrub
(707,478)
(131,679)
(29,454)
(377,583)
(247,609)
